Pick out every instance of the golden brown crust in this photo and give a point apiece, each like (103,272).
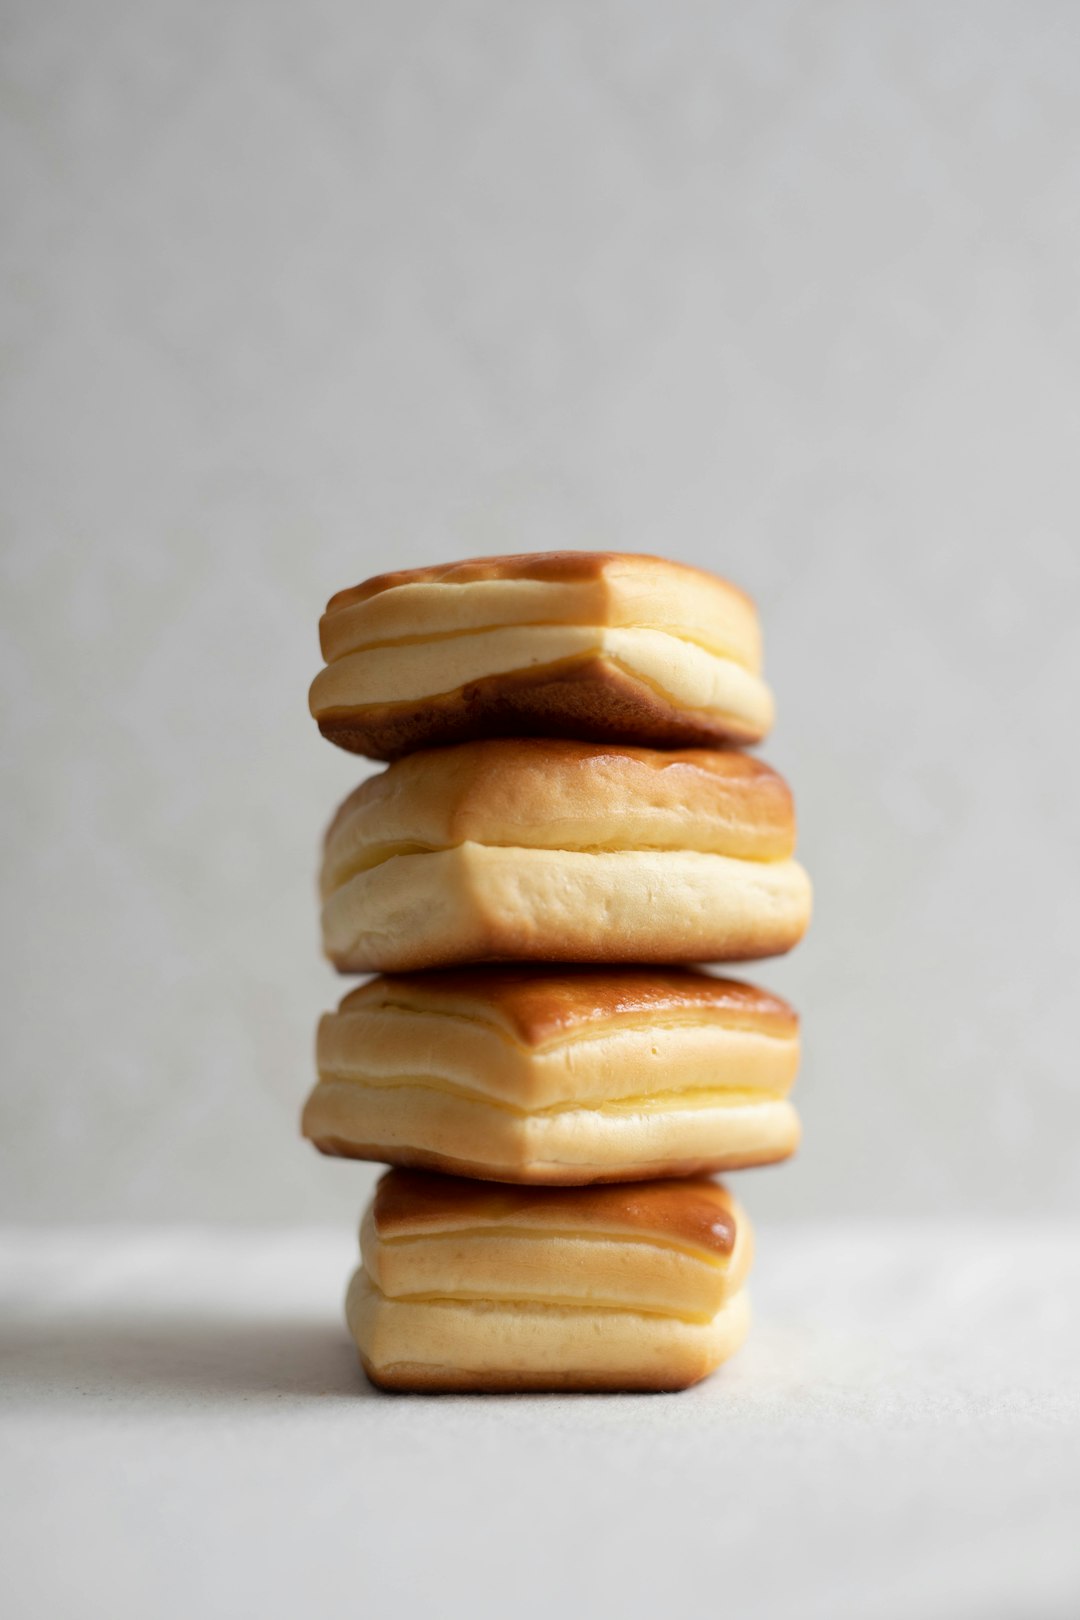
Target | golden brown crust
(591,699)
(560,567)
(538,1077)
(466,1287)
(539,1006)
(557,794)
(694,1210)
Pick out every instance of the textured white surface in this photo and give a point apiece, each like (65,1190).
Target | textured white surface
(292,292)
(185,1431)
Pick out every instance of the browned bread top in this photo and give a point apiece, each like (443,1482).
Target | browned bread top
(696,1211)
(538,1005)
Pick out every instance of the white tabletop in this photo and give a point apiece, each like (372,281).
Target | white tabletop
(186,1433)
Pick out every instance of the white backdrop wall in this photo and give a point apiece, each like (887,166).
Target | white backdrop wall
(293,293)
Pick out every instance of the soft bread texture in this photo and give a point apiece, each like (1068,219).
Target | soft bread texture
(479,1288)
(530,850)
(558,1078)
(550,794)
(438,1347)
(595,645)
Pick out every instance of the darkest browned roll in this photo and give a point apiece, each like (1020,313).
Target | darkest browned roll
(599,646)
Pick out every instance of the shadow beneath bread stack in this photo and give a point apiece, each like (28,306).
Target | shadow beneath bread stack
(126,1359)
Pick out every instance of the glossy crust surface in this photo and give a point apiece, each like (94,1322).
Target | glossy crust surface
(535,1007)
(601,646)
(468,1287)
(556,1078)
(529,850)
(697,1213)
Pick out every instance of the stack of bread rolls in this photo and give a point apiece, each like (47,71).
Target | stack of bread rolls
(567,828)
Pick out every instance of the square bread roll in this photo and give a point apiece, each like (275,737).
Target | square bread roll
(538,1076)
(466,1286)
(549,851)
(603,646)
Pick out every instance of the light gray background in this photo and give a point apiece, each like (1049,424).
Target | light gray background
(296,292)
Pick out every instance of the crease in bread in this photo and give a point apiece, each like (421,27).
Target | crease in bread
(522,849)
(594,645)
(468,1286)
(571,1076)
